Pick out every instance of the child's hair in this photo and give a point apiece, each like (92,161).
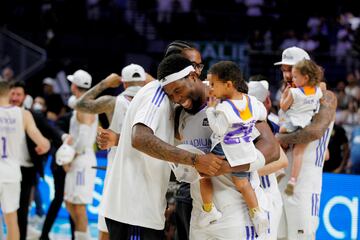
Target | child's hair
(310,68)
(229,71)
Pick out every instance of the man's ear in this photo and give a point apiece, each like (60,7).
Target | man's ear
(193,76)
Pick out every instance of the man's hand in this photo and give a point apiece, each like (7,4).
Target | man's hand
(106,138)
(282,143)
(66,167)
(41,150)
(67,138)
(112,81)
(224,169)
(208,164)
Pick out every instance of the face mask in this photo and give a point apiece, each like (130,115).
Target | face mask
(37,107)
(71,102)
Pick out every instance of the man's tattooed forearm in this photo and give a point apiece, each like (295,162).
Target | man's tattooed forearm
(319,124)
(157,148)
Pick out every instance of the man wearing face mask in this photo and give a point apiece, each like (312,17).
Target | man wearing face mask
(39,104)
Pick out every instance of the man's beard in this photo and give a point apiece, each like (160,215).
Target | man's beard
(197,105)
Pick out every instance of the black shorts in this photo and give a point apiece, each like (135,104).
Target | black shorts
(123,231)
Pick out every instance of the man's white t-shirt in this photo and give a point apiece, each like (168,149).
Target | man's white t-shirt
(11,133)
(122,103)
(121,106)
(137,185)
(194,130)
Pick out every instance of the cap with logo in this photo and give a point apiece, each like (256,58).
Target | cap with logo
(81,79)
(133,73)
(293,55)
(259,89)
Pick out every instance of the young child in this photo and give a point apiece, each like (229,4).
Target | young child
(232,117)
(298,105)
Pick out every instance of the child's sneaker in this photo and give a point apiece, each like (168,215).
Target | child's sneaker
(206,218)
(289,190)
(260,220)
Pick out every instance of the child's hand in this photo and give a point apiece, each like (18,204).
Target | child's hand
(322,86)
(286,90)
(213,101)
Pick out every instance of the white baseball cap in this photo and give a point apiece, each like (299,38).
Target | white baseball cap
(65,154)
(259,89)
(81,79)
(133,73)
(186,173)
(49,81)
(293,55)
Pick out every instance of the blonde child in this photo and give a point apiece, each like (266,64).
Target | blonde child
(298,105)
(232,117)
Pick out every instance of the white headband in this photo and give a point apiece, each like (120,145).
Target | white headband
(177,76)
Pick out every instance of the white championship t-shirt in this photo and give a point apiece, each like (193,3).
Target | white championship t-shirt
(306,104)
(137,184)
(11,134)
(232,122)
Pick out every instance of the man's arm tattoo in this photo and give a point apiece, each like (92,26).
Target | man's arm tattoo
(320,122)
(145,141)
(104,104)
(89,104)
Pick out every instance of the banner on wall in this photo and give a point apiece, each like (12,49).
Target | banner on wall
(339,207)
(213,52)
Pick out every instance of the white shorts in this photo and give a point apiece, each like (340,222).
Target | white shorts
(275,216)
(102,224)
(9,196)
(235,224)
(300,219)
(80,180)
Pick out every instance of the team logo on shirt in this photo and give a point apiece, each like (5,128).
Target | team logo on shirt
(205,122)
